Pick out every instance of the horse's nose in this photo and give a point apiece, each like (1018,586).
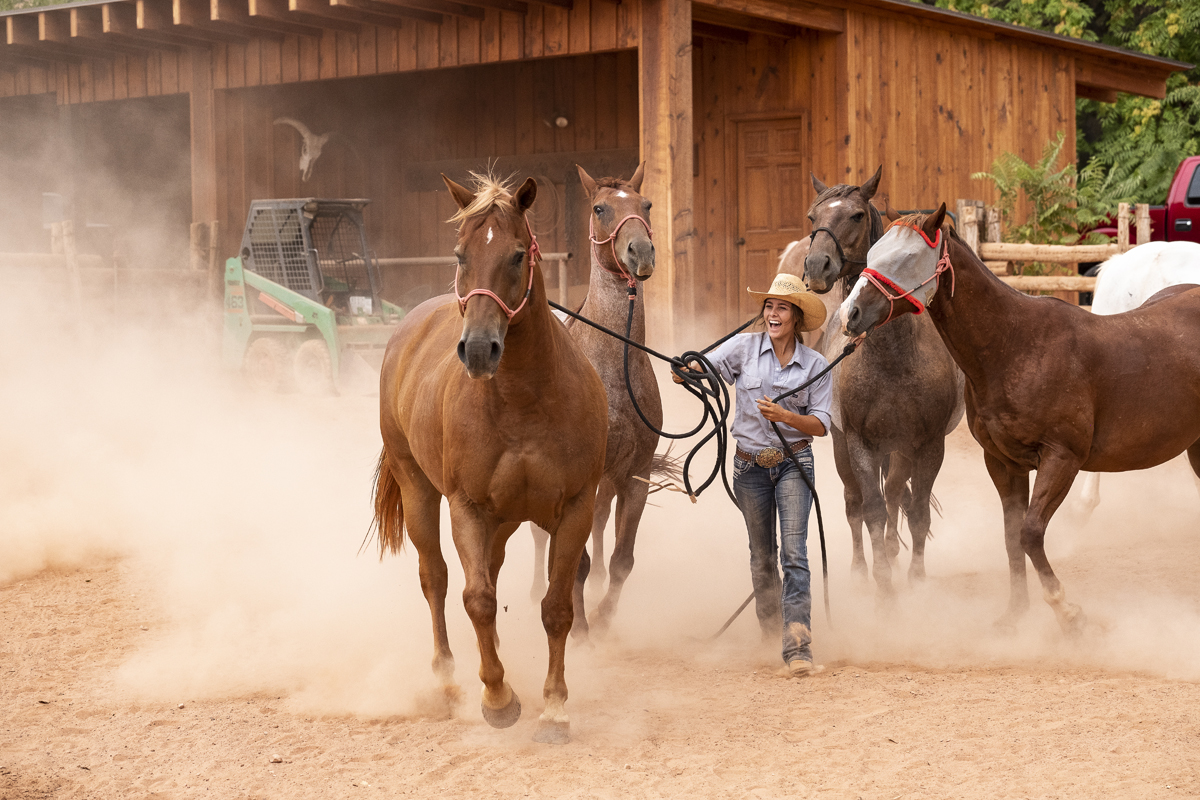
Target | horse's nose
(639,256)
(816,268)
(853,317)
(480,354)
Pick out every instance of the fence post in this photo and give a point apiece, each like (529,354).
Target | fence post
(1123,226)
(215,264)
(73,279)
(1143,223)
(969,225)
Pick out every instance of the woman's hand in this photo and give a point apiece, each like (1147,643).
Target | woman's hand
(773,411)
(685,368)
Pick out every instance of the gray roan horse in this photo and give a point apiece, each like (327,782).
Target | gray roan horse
(894,401)
(622,256)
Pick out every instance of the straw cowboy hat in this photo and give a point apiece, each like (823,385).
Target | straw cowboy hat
(792,289)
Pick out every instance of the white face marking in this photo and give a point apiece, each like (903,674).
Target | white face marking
(622,194)
(835,204)
(489,239)
(849,302)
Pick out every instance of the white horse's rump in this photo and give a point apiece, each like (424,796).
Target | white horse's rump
(1125,282)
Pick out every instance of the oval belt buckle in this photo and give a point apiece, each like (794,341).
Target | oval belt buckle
(769,457)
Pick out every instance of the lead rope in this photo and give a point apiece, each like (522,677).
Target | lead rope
(708,387)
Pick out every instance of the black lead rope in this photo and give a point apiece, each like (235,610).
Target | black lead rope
(707,386)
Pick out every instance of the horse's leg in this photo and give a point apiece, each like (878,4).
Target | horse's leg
(1013,488)
(475,538)
(925,468)
(422,518)
(853,498)
(538,590)
(866,465)
(1089,496)
(1056,472)
(631,502)
(558,613)
(503,533)
(895,494)
(604,498)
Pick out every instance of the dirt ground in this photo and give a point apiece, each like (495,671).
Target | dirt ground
(184,612)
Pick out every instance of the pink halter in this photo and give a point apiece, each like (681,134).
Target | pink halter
(535,255)
(620,270)
(883,283)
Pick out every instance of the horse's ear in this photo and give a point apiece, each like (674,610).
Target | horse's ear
(820,187)
(868,189)
(589,185)
(461,194)
(889,211)
(525,195)
(933,223)
(636,180)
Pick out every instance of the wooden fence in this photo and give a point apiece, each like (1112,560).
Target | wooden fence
(979,226)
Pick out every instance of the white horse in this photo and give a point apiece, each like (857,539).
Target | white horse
(1125,282)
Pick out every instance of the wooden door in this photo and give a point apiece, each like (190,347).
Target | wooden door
(772,170)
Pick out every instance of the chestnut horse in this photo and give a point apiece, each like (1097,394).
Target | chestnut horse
(622,256)
(894,403)
(489,403)
(1050,387)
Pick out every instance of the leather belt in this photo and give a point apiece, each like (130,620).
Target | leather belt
(769,457)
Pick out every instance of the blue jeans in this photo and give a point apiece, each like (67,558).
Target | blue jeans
(761,492)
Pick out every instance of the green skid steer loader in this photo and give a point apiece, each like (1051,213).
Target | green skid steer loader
(302,297)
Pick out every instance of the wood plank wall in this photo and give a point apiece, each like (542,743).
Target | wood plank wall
(590,26)
(385,125)
(934,106)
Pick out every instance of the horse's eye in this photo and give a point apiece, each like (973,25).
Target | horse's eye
(812,220)
(649,205)
(598,209)
(857,217)
(517,258)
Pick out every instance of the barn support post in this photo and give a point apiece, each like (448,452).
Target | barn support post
(1123,226)
(204,137)
(665,102)
(1142,219)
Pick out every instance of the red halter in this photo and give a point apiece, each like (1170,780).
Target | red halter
(535,255)
(620,270)
(883,282)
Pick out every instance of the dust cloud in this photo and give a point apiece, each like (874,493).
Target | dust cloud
(242,517)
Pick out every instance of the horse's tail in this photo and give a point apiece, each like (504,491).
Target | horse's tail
(666,466)
(389,509)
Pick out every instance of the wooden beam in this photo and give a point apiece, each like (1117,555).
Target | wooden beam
(793,12)
(158,16)
(707,30)
(236,13)
(393,11)
(567,4)
(23,38)
(1094,93)
(665,105)
(516,6)
(1114,77)
(87,24)
(278,9)
(440,7)
(344,11)
(204,137)
(1053,253)
(121,19)
(724,18)
(198,15)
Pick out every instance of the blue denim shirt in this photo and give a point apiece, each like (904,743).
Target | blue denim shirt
(748,361)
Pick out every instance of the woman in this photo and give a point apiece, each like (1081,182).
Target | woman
(765,480)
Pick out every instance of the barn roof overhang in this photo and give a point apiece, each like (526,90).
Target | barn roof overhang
(1101,71)
(91,29)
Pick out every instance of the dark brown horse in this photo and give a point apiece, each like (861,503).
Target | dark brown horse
(894,402)
(1050,387)
(489,403)
(622,256)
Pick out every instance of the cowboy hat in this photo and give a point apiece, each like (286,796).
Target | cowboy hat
(792,289)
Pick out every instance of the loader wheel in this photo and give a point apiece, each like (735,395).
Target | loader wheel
(266,366)
(312,368)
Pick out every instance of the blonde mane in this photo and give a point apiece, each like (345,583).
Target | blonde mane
(490,192)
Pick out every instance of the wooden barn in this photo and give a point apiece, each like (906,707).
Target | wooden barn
(146,116)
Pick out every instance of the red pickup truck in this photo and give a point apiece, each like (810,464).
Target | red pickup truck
(1179,219)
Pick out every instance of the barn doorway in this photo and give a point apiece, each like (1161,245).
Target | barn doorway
(772,167)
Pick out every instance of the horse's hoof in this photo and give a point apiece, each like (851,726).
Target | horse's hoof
(503,717)
(551,732)
(1006,625)
(1073,621)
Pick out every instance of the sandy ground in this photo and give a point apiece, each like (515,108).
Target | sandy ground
(184,612)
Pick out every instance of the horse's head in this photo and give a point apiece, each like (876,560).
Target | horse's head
(845,225)
(901,274)
(621,217)
(496,255)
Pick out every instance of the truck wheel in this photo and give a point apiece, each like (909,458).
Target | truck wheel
(312,368)
(265,366)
